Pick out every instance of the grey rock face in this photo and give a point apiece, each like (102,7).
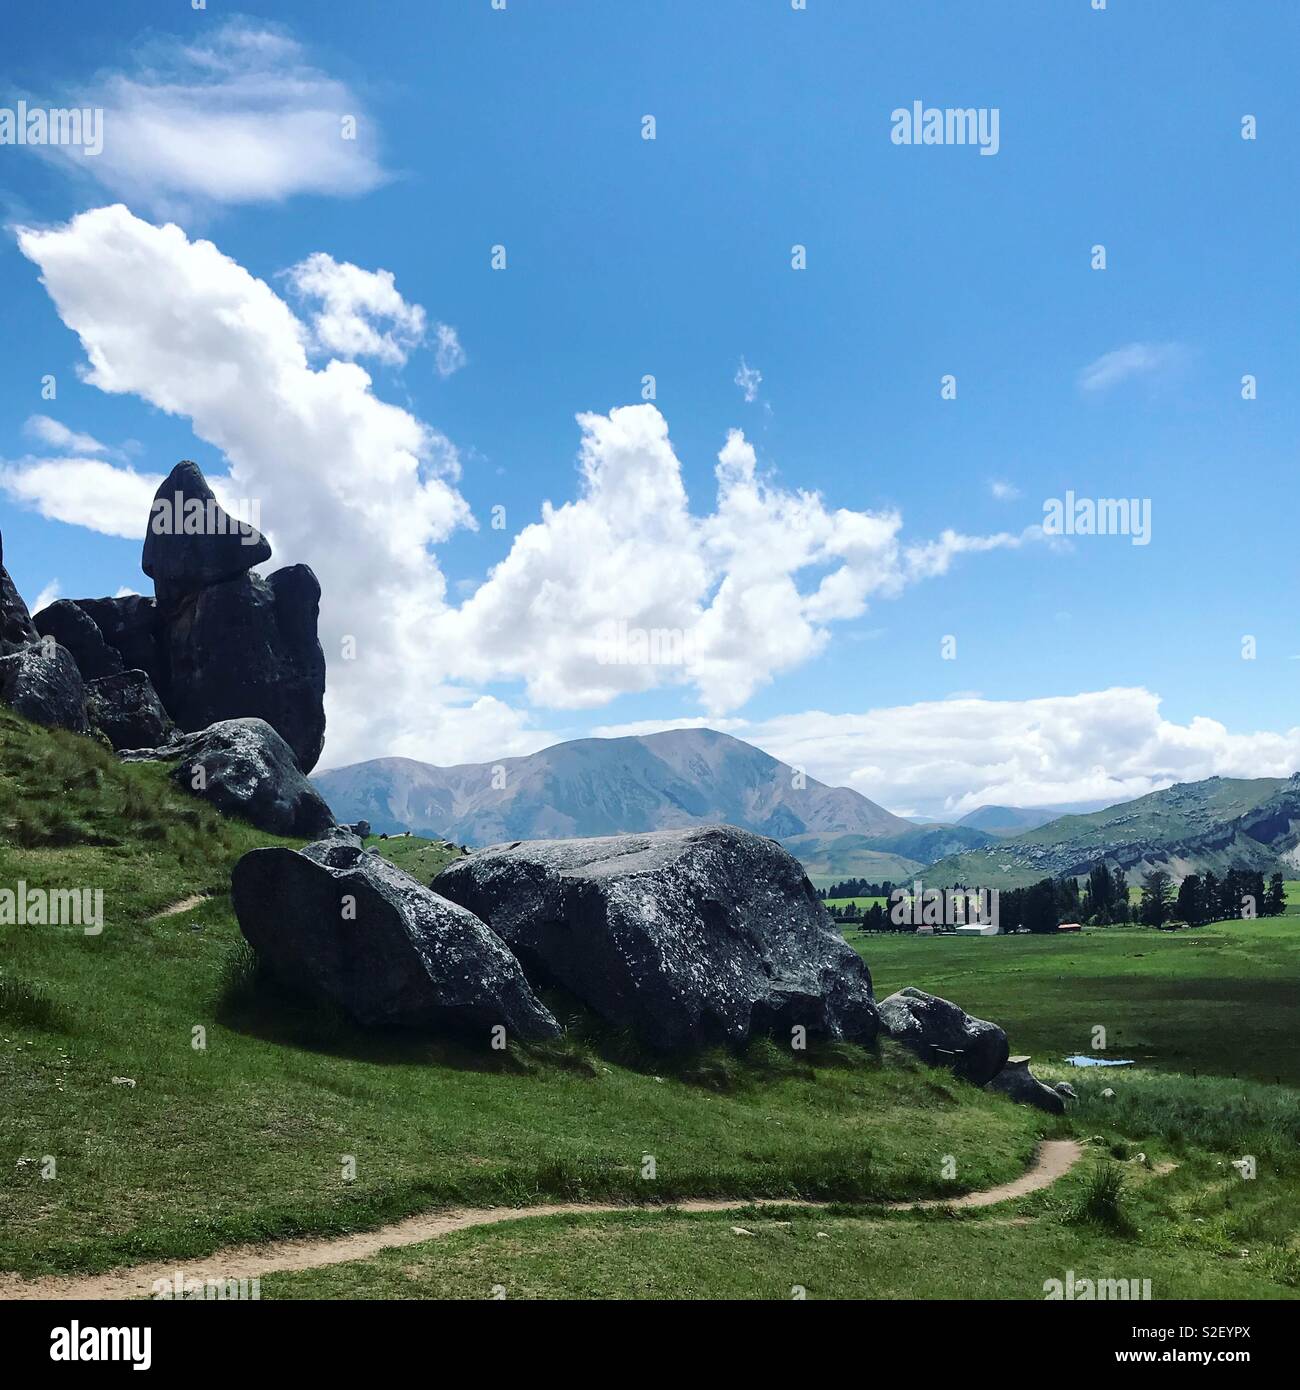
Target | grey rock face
(16,629)
(42,684)
(1018,1082)
(341,925)
(248,648)
(126,708)
(688,936)
(72,627)
(129,625)
(244,768)
(942,1034)
(191,542)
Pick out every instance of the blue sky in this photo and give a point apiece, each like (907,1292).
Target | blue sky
(523,128)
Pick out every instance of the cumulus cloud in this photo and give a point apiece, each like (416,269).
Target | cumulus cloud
(736,596)
(1132,360)
(364,490)
(949,756)
(361,313)
(239,116)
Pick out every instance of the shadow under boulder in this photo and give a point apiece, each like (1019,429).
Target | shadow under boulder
(687,937)
(343,926)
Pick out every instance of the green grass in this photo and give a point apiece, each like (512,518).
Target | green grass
(246,1137)
(1223,999)
(1195,1230)
(421,858)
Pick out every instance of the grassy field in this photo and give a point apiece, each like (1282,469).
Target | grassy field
(421,858)
(246,1136)
(247,1111)
(1223,999)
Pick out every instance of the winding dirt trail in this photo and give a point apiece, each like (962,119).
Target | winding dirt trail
(1054,1159)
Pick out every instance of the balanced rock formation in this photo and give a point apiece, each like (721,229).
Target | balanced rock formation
(218,642)
(342,925)
(244,768)
(942,1034)
(248,647)
(1018,1082)
(688,936)
(192,542)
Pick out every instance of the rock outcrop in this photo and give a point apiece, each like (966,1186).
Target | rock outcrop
(247,647)
(1021,1085)
(41,682)
(16,629)
(342,925)
(244,768)
(126,709)
(942,1034)
(218,642)
(192,542)
(72,627)
(687,937)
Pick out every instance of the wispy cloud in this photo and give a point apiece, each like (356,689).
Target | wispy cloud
(749,379)
(239,116)
(1004,491)
(1132,360)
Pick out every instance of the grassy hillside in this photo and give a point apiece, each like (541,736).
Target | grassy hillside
(828,860)
(245,1137)
(1188,828)
(422,858)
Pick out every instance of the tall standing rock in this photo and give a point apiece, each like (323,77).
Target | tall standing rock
(191,541)
(247,648)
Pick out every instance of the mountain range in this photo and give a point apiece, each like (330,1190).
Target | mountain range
(604,786)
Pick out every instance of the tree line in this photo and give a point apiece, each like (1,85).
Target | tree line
(1102,899)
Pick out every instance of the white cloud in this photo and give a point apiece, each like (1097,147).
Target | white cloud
(354,302)
(363,490)
(56,435)
(749,379)
(950,756)
(628,555)
(1004,491)
(83,492)
(1134,359)
(47,595)
(449,355)
(239,116)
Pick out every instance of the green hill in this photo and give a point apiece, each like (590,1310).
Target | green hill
(1192,827)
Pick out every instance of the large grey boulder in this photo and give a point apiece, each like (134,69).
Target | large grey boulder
(341,925)
(72,627)
(688,937)
(126,709)
(244,768)
(42,683)
(942,1034)
(191,542)
(1018,1082)
(248,647)
(16,629)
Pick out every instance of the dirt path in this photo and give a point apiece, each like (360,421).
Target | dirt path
(1054,1159)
